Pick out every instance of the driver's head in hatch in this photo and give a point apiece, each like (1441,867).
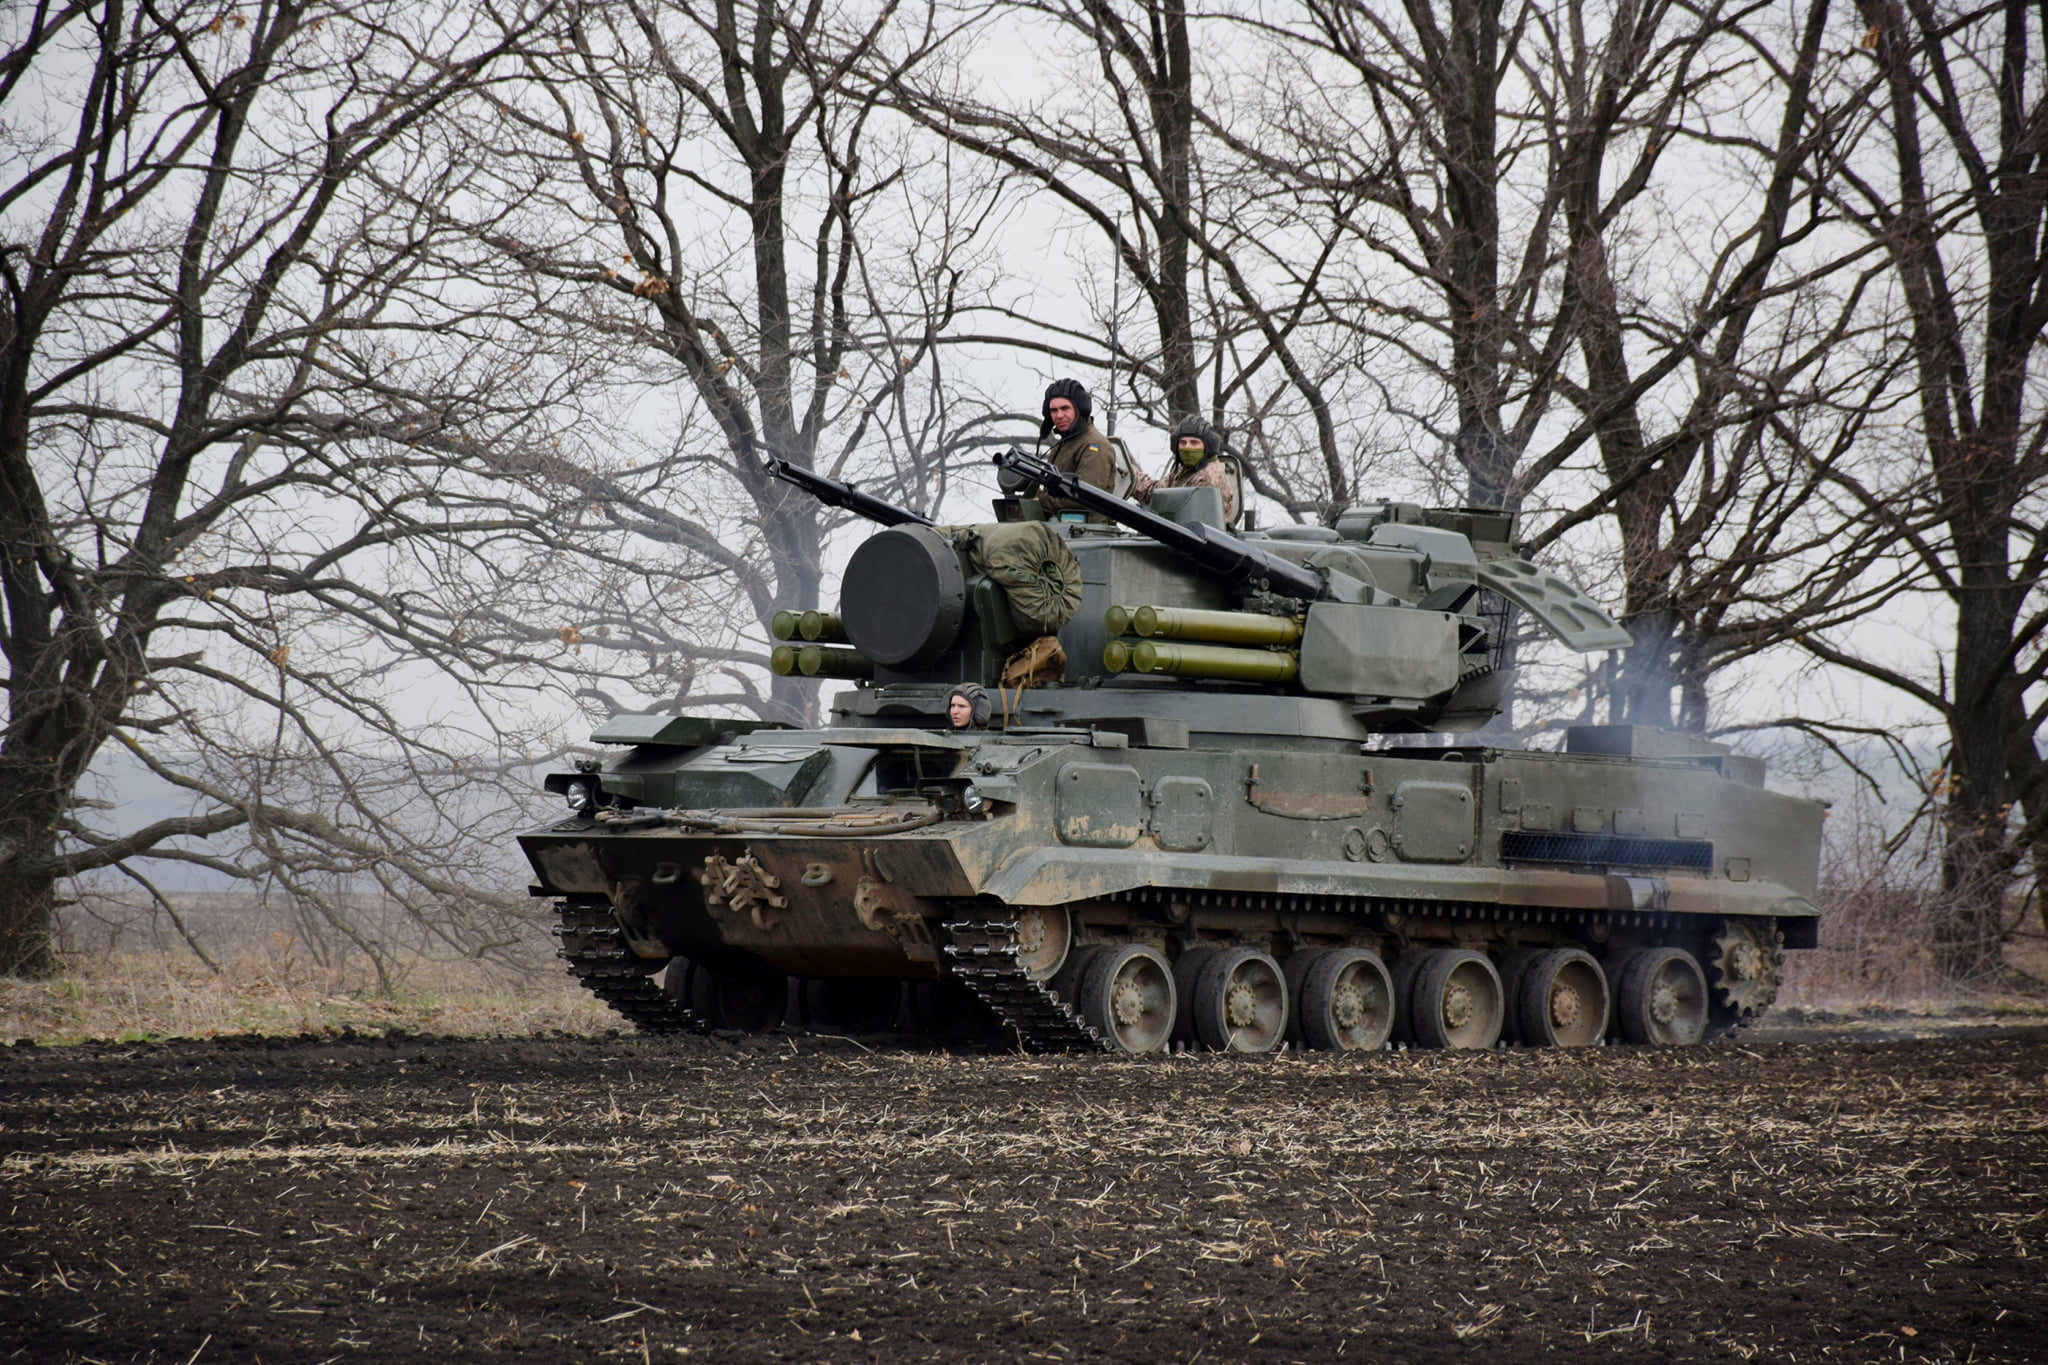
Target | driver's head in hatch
(968,707)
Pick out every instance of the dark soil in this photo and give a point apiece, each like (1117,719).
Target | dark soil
(804,1199)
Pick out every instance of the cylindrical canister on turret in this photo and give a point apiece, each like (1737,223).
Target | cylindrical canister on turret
(1117,621)
(823,661)
(783,625)
(1116,656)
(1215,627)
(1215,661)
(782,660)
(821,626)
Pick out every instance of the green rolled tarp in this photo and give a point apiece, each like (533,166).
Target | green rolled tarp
(1030,561)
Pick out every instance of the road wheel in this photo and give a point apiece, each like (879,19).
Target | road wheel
(676,983)
(1406,968)
(749,999)
(1127,996)
(1457,1000)
(1347,1001)
(1511,969)
(1561,1000)
(1241,1002)
(1661,997)
(1187,975)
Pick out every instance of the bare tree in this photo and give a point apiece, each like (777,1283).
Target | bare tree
(1126,140)
(1541,267)
(770,268)
(212,331)
(1953,191)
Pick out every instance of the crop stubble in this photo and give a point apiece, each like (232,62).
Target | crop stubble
(804,1199)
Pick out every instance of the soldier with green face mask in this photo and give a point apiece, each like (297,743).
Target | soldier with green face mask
(1198,462)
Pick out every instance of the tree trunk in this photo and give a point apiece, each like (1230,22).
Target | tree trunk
(28,893)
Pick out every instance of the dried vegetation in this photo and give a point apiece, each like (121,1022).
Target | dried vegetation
(595,1198)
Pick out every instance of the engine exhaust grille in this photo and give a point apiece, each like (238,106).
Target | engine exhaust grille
(1605,850)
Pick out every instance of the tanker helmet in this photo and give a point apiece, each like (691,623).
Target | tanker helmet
(979,709)
(1212,441)
(1073,392)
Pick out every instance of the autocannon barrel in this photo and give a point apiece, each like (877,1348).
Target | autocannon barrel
(1237,564)
(835,493)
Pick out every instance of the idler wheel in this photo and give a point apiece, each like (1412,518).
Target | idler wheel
(1241,1002)
(1126,994)
(749,999)
(903,597)
(1561,999)
(1044,934)
(1347,1001)
(1660,996)
(1458,1000)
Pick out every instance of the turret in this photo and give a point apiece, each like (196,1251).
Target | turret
(1398,612)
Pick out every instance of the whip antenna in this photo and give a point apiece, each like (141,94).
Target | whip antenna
(1116,308)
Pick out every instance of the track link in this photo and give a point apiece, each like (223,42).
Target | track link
(598,957)
(983,955)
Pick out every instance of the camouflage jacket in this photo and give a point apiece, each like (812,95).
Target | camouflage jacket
(1211,474)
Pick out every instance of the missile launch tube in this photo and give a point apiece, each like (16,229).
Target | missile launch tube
(1215,627)
(820,661)
(1215,661)
(823,661)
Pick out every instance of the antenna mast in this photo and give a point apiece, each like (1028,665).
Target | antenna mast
(1116,308)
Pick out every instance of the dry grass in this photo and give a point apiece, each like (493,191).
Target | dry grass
(1877,952)
(169,994)
(127,978)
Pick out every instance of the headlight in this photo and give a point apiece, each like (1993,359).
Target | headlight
(971,800)
(582,795)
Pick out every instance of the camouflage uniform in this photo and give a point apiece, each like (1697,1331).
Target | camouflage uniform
(1210,473)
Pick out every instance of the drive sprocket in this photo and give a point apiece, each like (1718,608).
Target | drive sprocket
(1745,965)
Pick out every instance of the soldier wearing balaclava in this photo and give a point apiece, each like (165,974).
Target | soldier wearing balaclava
(1197,463)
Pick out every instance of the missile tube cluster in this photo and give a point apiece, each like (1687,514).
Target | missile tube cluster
(823,627)
(1183,642)
(818,659)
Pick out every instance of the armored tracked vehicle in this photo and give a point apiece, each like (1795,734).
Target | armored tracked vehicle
(1219,802)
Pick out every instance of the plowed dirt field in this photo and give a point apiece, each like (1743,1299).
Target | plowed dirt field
(806,1199)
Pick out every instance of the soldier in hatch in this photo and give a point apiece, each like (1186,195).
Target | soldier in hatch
(967,707)
(1078,448)
(1198,462)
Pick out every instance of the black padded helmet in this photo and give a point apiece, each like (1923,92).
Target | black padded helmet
(1071,390)
(979,707)
(1212,439)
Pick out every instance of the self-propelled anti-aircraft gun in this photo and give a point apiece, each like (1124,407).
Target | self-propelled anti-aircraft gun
(1219,802)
